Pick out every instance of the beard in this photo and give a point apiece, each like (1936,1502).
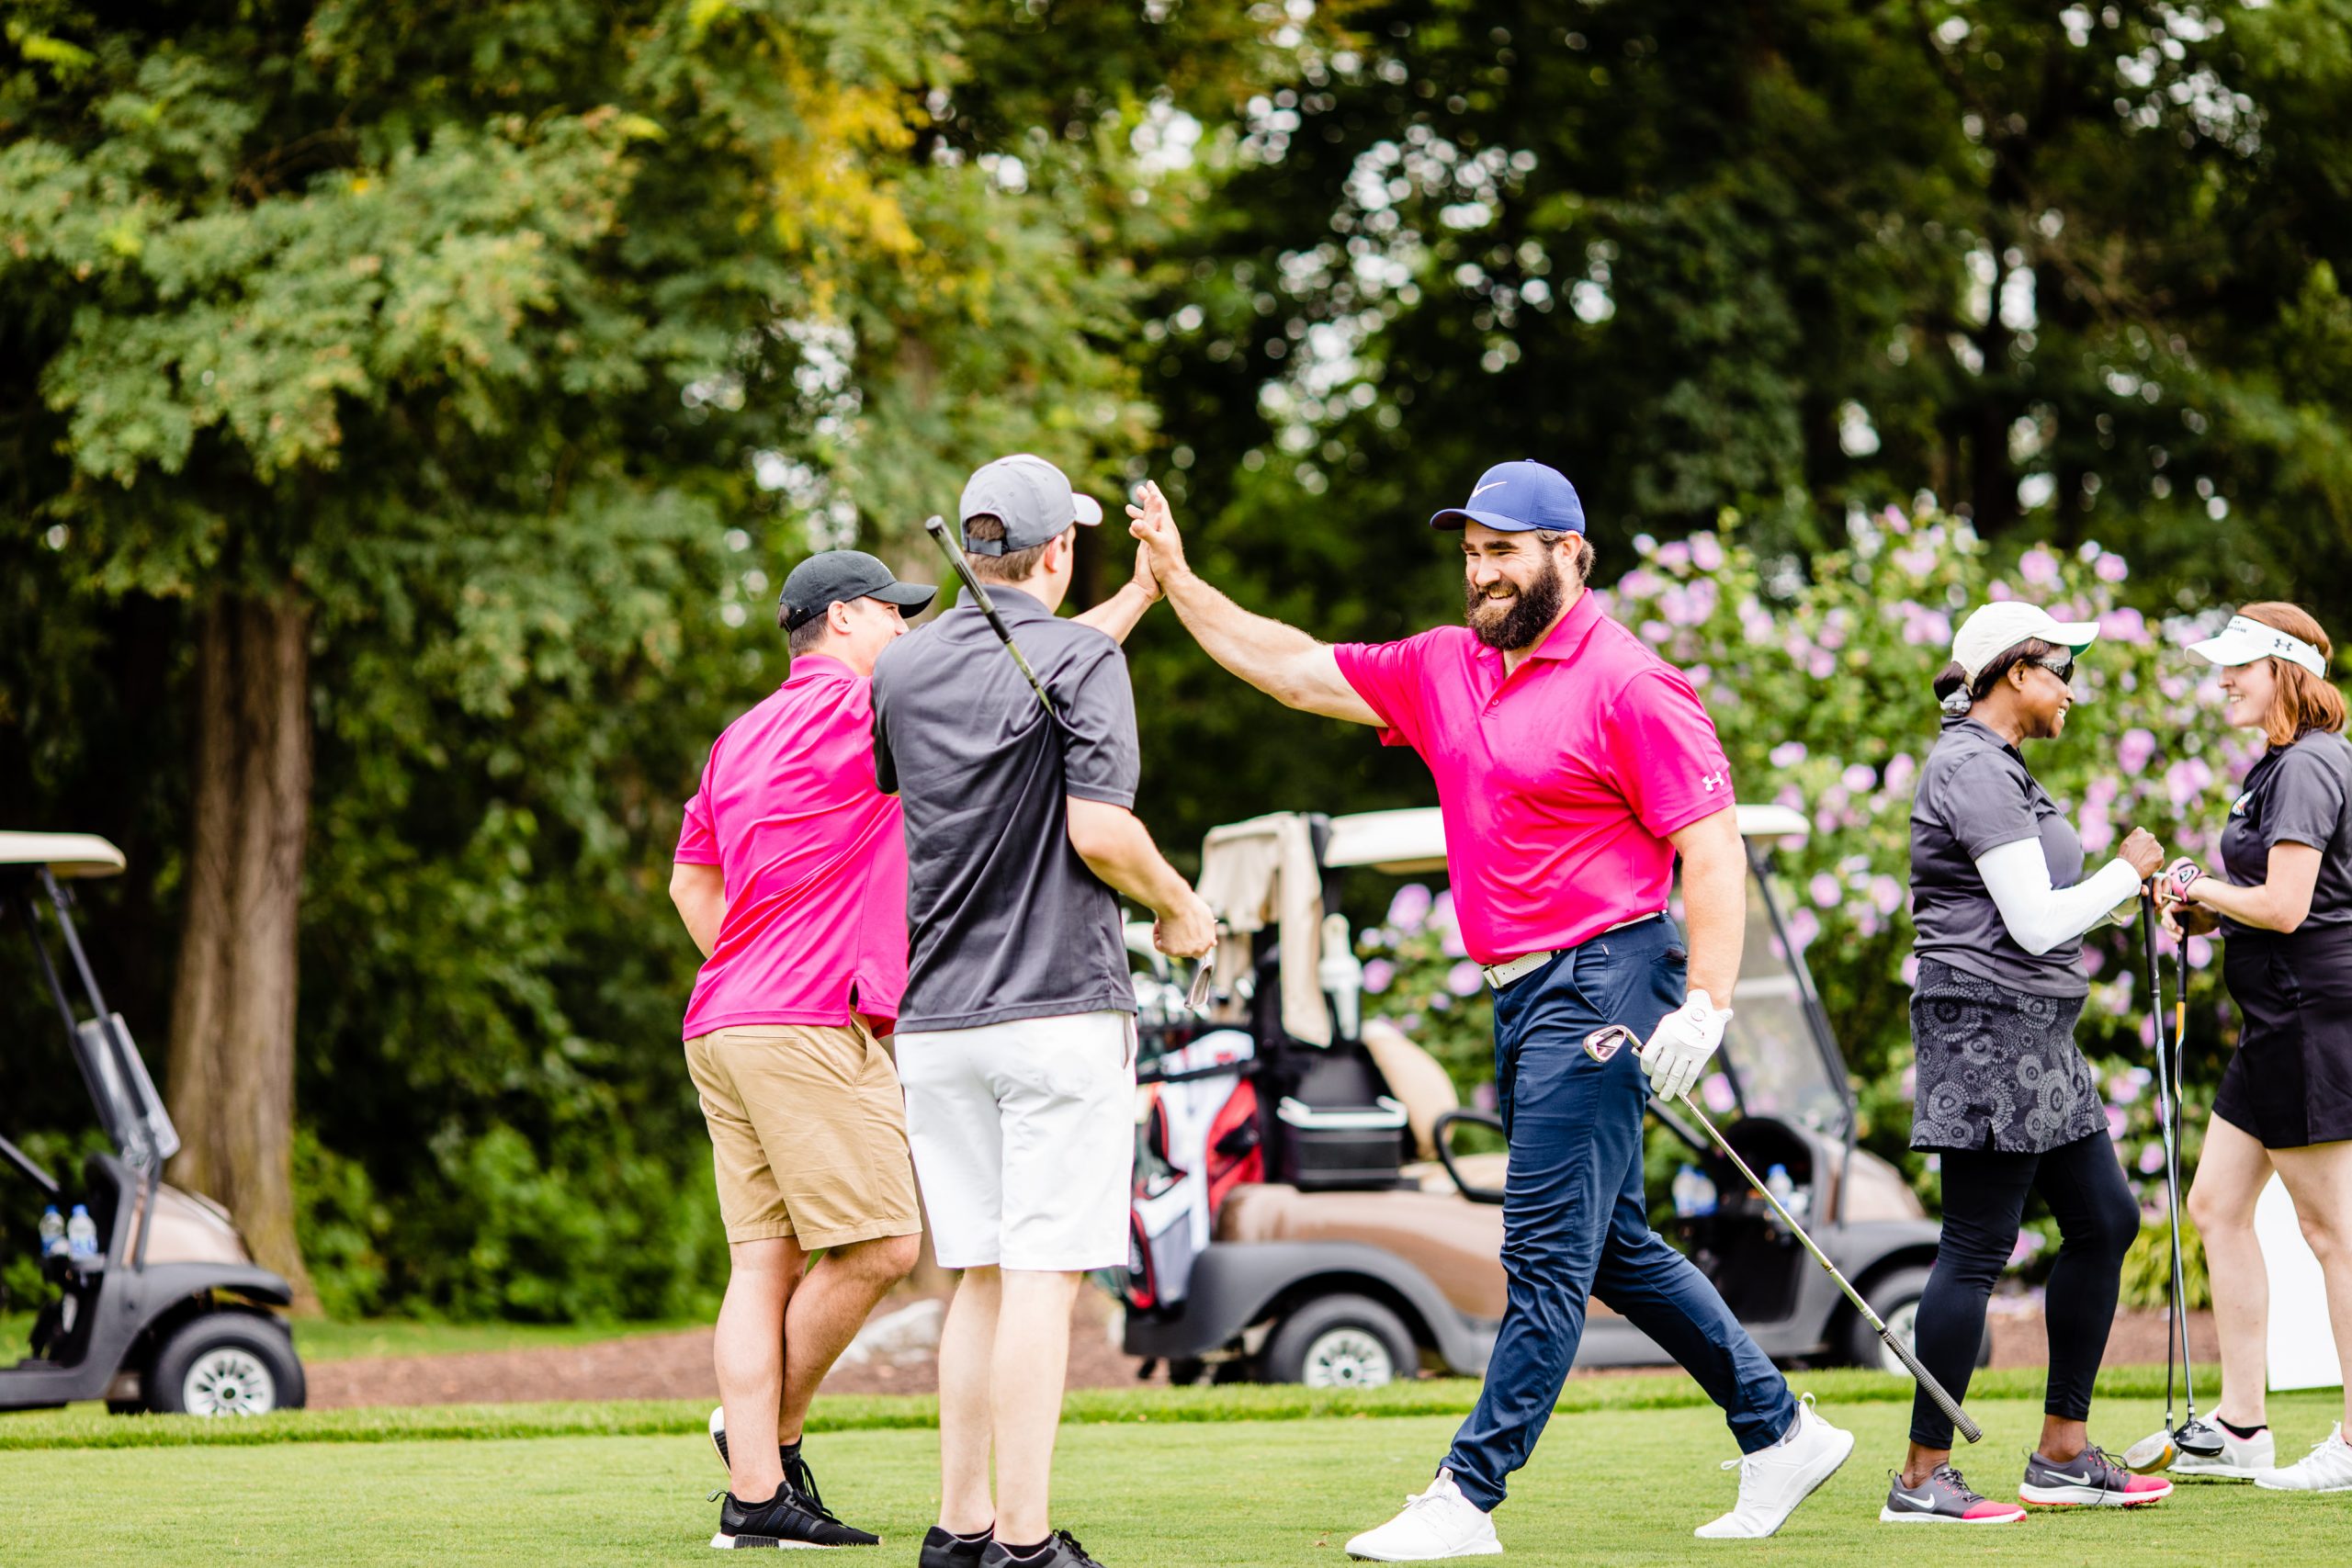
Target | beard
(1518,621)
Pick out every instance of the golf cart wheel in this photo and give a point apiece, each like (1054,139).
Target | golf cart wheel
(1895,1299)
(226,1363)
(1341,1342)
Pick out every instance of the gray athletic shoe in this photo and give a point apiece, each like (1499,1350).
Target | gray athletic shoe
(1944,1499)
(2091,1479)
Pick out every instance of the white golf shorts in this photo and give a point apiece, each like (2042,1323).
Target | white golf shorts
(1023,1136)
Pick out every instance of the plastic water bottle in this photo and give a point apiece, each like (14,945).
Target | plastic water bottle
(81,1233)
(1693,1193)
(52,1233)
(1776,1182)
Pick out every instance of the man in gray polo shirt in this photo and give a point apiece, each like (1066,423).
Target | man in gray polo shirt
(1016,1040)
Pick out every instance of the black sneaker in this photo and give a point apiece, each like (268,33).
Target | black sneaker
(1062,1551)
(943,1549)
(786,1519)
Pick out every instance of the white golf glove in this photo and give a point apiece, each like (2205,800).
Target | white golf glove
(1677,1051)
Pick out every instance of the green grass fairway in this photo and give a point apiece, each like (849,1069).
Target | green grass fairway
(320,1339)
(1616,1487)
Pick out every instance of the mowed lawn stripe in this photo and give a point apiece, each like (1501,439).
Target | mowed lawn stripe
(90,1426)
(1616,1487)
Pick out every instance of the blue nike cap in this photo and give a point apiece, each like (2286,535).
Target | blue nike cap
(1518,498)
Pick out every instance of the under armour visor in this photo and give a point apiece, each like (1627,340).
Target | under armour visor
(1518,498)
(2246,639)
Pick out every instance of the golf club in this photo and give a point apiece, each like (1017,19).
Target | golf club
(2158,1449)
(1197,997)
(1605,1043)
(936,527)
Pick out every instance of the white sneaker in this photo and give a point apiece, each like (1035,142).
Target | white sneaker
(1773,1481)
(2327,1467)
(2241,1459)
(1439,1522)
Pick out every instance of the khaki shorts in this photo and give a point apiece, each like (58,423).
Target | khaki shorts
(807,1134)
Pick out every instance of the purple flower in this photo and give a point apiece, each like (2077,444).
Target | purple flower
(1716,1092)
(2027,1244)
(2201,952)
(2151,1158)
(1911,969)
(1409,908)
(1824,890)
(1675,555)
(1911,1081)
(2000,592)
(1886,894)
(1916,560)
(1787,754)
(2115,1124)
(1463,980)
(2111,567)
(2093,960)
(1483,1096)
(1378,975)
(1705,553)
(2126,625)
(1859,777)
(1656,631)
(1790,797)
(1639,584)
(2133,751)
(2097,829)
(1822,664)
(1803,926)
(2123,1089)
(1900,769)
(2038,567)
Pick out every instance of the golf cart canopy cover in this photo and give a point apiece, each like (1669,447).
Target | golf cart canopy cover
(65,854)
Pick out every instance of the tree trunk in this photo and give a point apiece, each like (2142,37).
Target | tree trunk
(232,1076)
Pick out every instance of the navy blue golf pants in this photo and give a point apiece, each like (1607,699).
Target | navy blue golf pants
(1575,1225)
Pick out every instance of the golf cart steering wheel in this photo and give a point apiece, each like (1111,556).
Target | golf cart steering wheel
(1439,1129)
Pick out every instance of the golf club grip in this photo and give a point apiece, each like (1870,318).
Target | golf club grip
(1935,1391)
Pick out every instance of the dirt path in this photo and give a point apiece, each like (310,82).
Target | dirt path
(677,1365)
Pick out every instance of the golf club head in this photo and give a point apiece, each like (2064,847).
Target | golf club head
(2198,1438)
(1197,997)
(2150,1454)
(1603,1043)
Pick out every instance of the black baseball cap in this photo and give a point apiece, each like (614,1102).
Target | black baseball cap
(833,577)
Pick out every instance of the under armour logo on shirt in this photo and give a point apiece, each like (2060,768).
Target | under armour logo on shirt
(1711,780)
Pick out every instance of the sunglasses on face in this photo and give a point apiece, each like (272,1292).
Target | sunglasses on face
(2059,664)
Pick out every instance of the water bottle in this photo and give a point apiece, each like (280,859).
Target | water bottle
(52,1233)
(1776,1182)
(81,1235)
(1693,1193)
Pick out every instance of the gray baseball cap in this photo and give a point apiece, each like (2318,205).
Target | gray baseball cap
(1032,497)
(835,577)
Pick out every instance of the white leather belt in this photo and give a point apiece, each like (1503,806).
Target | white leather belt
(1509,969)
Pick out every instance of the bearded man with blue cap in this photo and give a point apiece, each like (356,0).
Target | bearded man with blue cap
(1574,767)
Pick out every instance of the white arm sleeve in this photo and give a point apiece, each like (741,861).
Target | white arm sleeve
(2038,916)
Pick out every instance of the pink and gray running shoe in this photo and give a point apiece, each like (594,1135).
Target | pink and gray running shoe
(2091,1479)
(1944,1499)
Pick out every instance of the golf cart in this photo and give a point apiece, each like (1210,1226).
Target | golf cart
(1301,1214)
(165,1310)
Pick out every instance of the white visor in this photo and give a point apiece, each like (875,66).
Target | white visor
(2243,640)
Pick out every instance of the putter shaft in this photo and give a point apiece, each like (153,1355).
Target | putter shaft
(936,527)
(1603,1043)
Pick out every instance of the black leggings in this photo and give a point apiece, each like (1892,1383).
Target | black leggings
(1985,1194)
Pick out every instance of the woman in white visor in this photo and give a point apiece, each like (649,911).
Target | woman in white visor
(2281,897)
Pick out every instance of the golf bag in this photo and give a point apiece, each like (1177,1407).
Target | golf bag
(1198,1141)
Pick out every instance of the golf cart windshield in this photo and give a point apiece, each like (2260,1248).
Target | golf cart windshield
(1774,1050)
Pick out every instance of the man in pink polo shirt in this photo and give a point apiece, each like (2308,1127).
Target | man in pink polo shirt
(1573,767)
(791,877)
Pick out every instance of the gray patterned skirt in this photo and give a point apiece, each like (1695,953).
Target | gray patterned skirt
(1997,1068)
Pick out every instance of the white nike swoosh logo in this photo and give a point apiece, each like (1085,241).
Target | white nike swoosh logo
(1483,489)
(1926,1504)
(2083,1480)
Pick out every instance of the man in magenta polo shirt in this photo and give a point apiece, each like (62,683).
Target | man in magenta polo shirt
(791,875)
(1573,767)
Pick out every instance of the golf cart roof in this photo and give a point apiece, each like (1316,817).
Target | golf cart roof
(1412,840)
(65,854)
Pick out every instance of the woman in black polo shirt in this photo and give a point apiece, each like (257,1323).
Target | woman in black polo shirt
(2004,1096)
(2282,898)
